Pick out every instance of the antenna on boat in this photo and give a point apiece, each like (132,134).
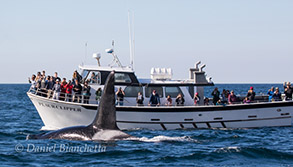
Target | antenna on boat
(85,52)
(131,37)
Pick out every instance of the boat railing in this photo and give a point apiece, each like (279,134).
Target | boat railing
(79,98)
(73,98)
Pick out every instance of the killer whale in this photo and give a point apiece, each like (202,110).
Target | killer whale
(103,127)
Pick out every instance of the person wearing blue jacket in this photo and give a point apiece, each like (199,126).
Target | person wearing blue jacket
(154,99)
(271,93)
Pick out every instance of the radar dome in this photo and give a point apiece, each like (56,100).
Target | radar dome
(97,55)
(109,51)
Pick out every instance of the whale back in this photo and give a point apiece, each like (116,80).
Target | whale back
(106,115)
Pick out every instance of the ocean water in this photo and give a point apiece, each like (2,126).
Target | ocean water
(206,147)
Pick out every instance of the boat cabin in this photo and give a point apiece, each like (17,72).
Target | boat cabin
(98,76)
(161,81)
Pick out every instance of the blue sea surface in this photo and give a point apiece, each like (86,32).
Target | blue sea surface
(205,147)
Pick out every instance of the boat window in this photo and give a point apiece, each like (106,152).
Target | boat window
(132,91)
(191,91)
(122,78)
(94,77)
(84,73)
(173,91)
(149,90)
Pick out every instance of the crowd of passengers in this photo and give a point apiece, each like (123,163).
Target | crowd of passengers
(73,91)
(229,97)
(224,98)
(154,99)
(55,88)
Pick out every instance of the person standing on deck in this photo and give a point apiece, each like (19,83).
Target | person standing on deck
(56,77)
(180,100)
(287,84)
(139,99)
(86,92)
(98,95)
(56,90)
(77,88)
(224,96)
(271,93)
(216,96)
(277,95)
(250,94)
(288,92)
(32,81)
(196,99)
(76,77)
(68,88)
(44,74)
(120,96)
(63,89)
(154,99)
(43,86)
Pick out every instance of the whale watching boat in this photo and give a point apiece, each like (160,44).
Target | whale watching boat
(57,114)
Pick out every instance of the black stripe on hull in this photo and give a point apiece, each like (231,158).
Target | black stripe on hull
(163,126)
(181,125)
(194,125)
(223,124)
(208,124)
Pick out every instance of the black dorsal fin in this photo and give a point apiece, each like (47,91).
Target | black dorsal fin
(106,115)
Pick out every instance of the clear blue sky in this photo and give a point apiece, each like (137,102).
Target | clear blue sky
(247,41)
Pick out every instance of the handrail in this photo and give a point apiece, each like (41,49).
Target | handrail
(81,98)
(63,96)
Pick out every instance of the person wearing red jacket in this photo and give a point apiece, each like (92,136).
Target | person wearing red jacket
(63,90)
(68,90)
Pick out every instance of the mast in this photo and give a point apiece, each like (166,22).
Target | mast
(131,37)
(133,43)
(85,52)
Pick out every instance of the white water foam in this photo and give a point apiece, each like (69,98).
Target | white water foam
(161,138)
(76,136)
(228,149)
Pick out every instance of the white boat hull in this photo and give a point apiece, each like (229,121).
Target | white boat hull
(59,114)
